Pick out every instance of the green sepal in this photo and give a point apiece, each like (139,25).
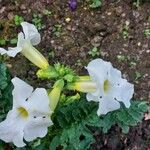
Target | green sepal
(47,73)
(65,100)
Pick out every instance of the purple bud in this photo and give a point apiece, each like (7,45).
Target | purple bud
(72,4)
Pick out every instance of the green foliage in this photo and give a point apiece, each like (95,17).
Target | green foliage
(2,42)
(18,19)
(79,63)
(37,21)
(95,3)
(73,122)
(94,52)
(57,72)
(125,31)
(147,32)
(3,76)
(47,12)
(57,30)
(13,41)
(137,76)
(65,100)
(136,3)
(5,91)
(65,72)
(122,58)
(47,73)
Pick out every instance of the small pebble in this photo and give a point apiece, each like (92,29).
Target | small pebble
(109,13)
(123,15)
(139,43)
(67,19)
(127,22)
(136,14)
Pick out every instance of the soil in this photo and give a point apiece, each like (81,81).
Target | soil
(102,27)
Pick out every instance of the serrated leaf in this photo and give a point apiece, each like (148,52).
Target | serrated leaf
(127,119)
(3,76)
(124,127)
(96,3)
(143,106)
(74,133)
(74,119)
(55,143)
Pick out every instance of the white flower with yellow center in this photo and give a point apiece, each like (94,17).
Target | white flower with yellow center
(29,117)
(26,40)
(107,86)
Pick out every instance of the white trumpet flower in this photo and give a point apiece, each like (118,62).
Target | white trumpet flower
(29,117)
(110,87)
(26,40)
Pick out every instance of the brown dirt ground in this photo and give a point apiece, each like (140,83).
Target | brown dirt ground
(88,27)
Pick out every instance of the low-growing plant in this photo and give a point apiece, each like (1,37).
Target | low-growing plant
(125,31)
(147,32)
(18,19)
(95,3)
(47,12)
(137,75)
(2,42)
(37,21)
(94,52)
(13,41)
(78,63)
(57,30)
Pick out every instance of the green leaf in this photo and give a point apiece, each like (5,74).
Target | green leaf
(143,106)
(72,123)
(96,3)
(55,142)
(47,73)
(2,42)
(3,76)
(6,88)
(13,41)
(124,127)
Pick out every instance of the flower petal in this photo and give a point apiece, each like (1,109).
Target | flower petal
(18,139)
(21,92)
(106,105)
(21,40)
(3,51)
(114,75)
(126,93)
(123,92)
(120,89)
(11,129)
(98,70)
(12,51)
(38,102)
(91,97)
(111,88)
(31,33)
(37,127)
